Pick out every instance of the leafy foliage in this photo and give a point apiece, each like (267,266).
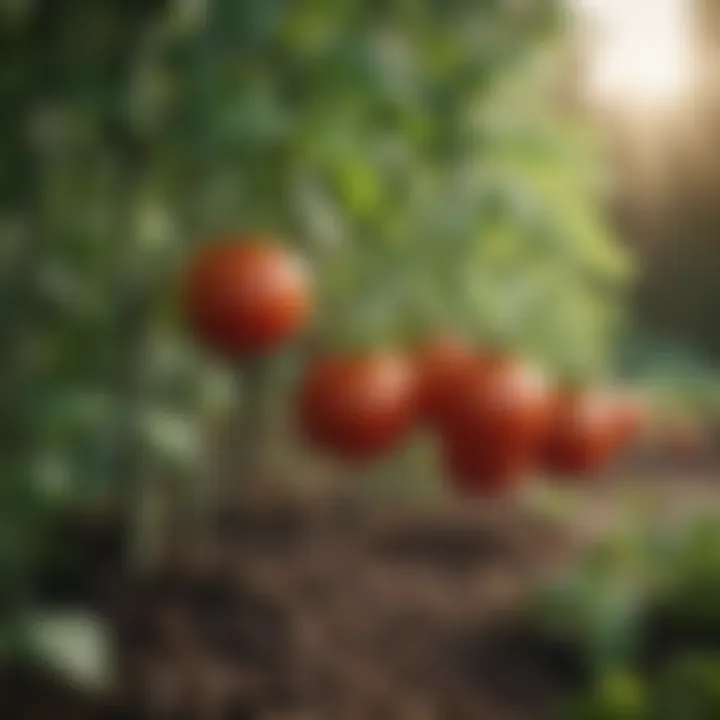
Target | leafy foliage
(606,605)
(686,690)
(412,150)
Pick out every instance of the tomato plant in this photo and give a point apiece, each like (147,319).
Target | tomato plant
(422,167)
(357,405)
(246,298)
(496,421)
(581,434)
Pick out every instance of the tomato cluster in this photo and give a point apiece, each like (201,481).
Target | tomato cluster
(496,416)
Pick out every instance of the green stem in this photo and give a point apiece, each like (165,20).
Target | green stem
(247,441)
(130,476)
(137,295)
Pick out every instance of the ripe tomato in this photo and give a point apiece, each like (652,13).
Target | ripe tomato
(582,433)
(358,406)
(440,364)
(496,422)
(244,298)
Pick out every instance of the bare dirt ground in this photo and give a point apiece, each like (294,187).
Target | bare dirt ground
(402,613)
(331,610)
(334,612)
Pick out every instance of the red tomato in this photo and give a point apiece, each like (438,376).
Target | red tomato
(359,406)
(244,298)
(496,423)
(440,365)
(582,434)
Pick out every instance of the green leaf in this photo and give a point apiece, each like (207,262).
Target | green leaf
(75,644)
(171,436)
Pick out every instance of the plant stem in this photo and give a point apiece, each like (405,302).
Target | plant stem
(248,429)
(137,297)
(128,469)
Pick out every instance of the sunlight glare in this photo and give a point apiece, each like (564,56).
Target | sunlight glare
(641,52)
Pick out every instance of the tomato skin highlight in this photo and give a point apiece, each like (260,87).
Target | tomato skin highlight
(582,434)
(357,406)
(496,424)
(441,364)
(245,296)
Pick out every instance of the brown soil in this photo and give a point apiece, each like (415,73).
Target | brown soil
(307,610)
(32,693)
(331,612)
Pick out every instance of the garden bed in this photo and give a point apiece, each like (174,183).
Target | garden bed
(337,609)
(302,610)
